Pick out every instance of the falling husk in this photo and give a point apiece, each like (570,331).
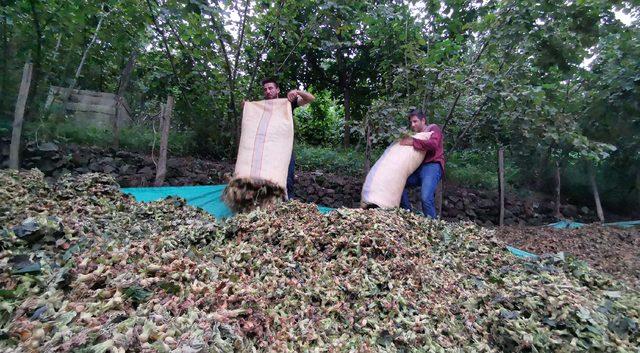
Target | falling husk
(121,276)
(244,194)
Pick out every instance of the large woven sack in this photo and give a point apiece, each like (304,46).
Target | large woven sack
(264,153)
(386,180)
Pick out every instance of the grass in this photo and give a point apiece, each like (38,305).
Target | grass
(329,159)
(133,138)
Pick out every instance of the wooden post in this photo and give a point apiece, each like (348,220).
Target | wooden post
(501,184)
(165,121)
(558,215)
(116,122)
(638,186)
(367,149)
(439,196)
(18,117)
(596,195)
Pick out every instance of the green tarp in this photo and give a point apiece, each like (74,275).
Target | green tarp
(206,197)
(565,224)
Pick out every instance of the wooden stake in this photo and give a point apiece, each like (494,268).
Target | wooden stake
(165,121)
(558,215)
(18,117)
(596,195)
(501,183)
(367,149)
(638,186)
(439,196)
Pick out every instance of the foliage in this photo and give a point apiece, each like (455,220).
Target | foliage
(492,73)
(118,275)
(477,168)
(333,160)
(320,123)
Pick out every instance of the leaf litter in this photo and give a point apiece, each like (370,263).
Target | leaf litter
(118,276)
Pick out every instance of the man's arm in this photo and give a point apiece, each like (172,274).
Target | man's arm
(428,145)
(303,97)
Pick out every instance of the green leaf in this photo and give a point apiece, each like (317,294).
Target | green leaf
(137,294)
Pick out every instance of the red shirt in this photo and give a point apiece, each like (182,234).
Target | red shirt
(433,146)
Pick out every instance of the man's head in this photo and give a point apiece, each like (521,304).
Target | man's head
(270,89)
(418,120)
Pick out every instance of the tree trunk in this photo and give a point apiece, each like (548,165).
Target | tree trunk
(557,213)
(37,60)
(474,117)
(501,184)
(122,88)
(168,54)
(234,117)
(367,149)
(451,110)
(596,195)
(539,172)
(256,64)
(165,122)
(14,149)
(5,67)
(347,117)
(638,186)
(56,50)
(76,76)
(344,83)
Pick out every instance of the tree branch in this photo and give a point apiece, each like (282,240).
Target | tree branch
(256,64)
(240,40)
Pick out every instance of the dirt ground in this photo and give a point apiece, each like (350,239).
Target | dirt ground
(612,250)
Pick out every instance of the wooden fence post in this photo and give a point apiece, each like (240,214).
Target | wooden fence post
(596,195)
(116,122)
(439,197)
(18,117)
(165,122)
(501,184)
(638,186)
(557,213)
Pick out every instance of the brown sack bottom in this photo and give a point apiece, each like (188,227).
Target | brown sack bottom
(245,194)
(368,206)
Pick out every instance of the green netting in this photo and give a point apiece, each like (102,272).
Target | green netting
(565,224)
(209,198)
(521,253)
(626,224)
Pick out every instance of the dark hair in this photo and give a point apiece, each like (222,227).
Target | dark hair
(270,80)
(418,113)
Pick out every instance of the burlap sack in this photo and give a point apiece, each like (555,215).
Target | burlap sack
(386,180)
(264,153)
(266,141)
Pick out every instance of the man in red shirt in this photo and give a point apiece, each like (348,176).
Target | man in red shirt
(431,169)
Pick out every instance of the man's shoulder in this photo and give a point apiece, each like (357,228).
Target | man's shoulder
(434,128)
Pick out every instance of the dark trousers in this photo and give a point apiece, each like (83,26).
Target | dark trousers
(290,176)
